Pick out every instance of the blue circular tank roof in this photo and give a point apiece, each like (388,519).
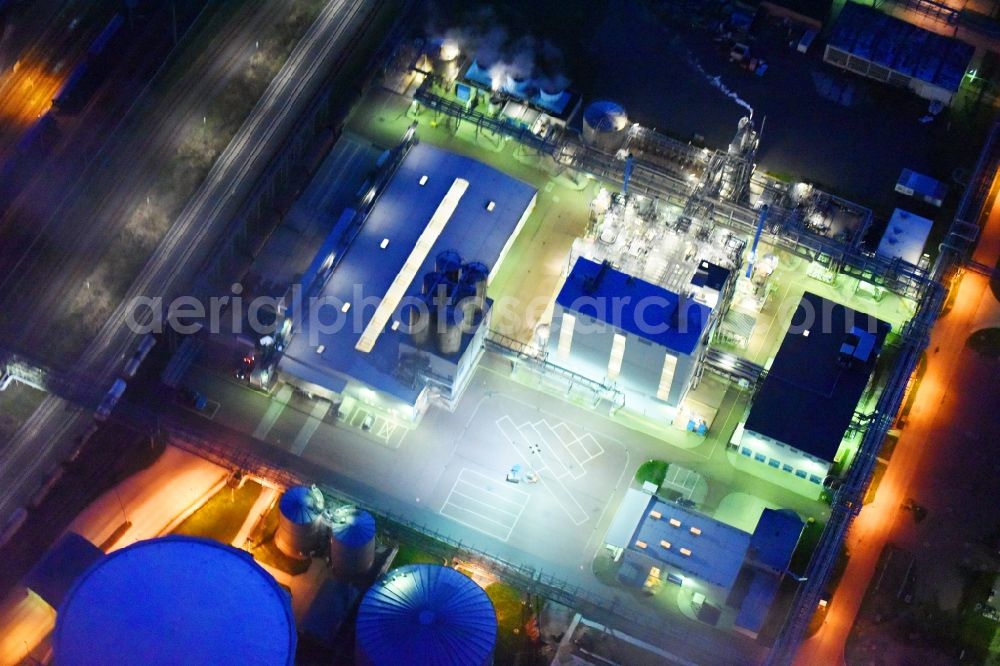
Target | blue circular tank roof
(300,505)
(175,600)
(356,530)
(605,115)
(475,270)
(426,615)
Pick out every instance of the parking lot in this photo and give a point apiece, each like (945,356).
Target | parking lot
(485,504)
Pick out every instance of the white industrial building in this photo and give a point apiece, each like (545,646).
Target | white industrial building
(645,289)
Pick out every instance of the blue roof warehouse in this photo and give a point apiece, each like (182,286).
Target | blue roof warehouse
(434,235)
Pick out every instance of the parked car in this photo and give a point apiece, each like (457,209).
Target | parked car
(193,398)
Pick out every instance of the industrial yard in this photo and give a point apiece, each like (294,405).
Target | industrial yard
(483,366)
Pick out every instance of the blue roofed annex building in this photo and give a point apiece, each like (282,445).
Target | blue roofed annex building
(661,542)
(806,404)
(394,307)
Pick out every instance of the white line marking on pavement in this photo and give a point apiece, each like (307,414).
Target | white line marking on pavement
(319,410)
(278,403)
(472,482)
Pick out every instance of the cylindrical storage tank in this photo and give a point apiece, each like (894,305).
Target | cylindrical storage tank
(604,125)
(449,330)
(516,84)
(444,66)
(449,263)
(465,300)
(430,281)
(299,513)
(420,319)
(175,600)
(352,542)
(476,274)
(479,70)
(424,615)
(550,93)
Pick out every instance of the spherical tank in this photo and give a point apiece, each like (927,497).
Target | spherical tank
(298,520)
(175,600)
(425,615)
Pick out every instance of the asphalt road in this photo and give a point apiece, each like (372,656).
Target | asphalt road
(948,421)
(48,435)
(45,39)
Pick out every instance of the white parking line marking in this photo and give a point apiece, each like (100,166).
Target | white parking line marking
(552,483)
(592,446)
(472,488)
(486,504)
(475,501)
(278,403)
(564,433)
(319,410)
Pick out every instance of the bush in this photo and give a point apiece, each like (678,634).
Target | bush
(653,471)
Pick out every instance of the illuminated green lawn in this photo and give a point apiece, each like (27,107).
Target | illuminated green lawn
(222,516)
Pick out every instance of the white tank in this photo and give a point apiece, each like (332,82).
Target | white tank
(300,510)
(605,125)
(516,84)
(352,541)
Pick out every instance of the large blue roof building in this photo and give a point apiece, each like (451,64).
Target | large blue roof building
(396,297)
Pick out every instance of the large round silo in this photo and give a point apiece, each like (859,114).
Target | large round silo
(424,615)
(449,330)
(175,600)
(476,274)
(299,515)
(605,125)
(420,320)
(465,300)
(430,282)
(449,263)
(352,541)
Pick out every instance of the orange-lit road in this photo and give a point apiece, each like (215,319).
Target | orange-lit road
(974,305)
(27,89)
